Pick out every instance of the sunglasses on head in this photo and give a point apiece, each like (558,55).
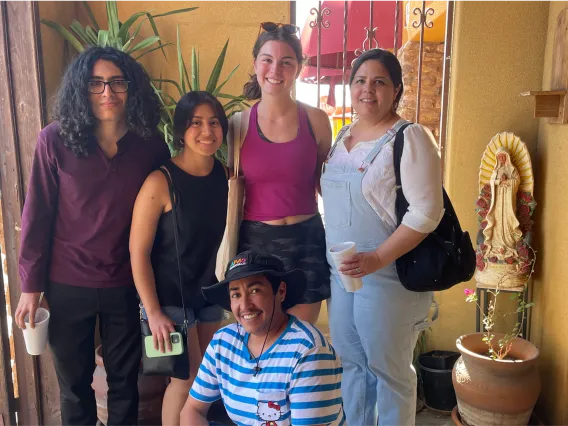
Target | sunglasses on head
(273,26)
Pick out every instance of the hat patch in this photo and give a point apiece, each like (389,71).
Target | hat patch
(242,261)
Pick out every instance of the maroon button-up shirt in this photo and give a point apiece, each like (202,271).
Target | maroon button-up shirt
(77,212)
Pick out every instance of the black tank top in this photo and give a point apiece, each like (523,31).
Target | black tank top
(201,203)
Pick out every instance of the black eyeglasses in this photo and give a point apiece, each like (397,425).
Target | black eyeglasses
(99,86)
(273,26)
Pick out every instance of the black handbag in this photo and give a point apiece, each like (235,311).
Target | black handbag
(445,257)
(176,366)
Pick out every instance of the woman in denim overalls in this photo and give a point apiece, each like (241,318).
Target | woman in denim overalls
(375,329)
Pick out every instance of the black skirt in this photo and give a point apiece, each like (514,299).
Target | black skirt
(299,246)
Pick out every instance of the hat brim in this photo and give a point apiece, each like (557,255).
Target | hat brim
(295,280)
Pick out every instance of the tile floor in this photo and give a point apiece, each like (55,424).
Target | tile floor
(433,418)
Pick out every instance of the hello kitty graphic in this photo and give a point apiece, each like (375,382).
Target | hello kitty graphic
(269,412)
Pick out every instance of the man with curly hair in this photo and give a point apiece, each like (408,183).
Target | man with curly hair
(87,169)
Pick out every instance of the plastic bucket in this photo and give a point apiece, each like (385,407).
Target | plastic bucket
(436,377)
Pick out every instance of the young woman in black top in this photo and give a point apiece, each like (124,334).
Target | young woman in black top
(200,191)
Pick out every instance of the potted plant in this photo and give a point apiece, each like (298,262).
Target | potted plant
(496,378)
(125,37)
(189,80)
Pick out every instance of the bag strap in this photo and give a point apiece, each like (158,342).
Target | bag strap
(397,157)
(397,151)
(166,173)
(237,142)
(381,144)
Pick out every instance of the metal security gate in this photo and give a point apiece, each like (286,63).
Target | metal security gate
(418,19)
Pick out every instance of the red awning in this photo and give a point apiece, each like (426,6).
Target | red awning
(332,37)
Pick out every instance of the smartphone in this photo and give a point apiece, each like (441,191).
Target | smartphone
(175,339)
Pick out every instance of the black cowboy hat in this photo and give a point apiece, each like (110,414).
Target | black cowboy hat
(249,263)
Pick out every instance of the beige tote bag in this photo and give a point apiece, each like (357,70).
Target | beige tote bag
(229,244)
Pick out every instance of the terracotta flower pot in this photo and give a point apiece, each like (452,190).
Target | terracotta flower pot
(492,392)
(150,388)
(534,420)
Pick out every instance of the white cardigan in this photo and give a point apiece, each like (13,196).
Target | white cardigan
(421,176)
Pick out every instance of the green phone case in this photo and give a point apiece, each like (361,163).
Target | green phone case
(175,339)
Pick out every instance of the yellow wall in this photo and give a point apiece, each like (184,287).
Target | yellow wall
(206,28)
(493,60)
(55,52)
(550,322)
(438,20)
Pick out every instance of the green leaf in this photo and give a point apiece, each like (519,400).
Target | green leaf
(169,98)
(181,67)
(166,80)
(116,43)
(216,72)
(131,39)
(513,297)
(160,83)
(161,99)
(529,305)
(194,69)
(112,18)
(145,43)
(218,89)
(103,38)
(65,34)
(124,28)
(226,96)
(173,12)
(80,31)
(160,46)
(154,28)
(92,35)
(90,15)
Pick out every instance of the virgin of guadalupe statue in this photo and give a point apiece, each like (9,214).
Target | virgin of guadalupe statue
(502,232)
(504,208)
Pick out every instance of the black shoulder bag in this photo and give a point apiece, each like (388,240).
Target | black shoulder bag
(176,366)
(445,257)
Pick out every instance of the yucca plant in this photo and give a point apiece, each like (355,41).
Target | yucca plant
(118,35)
(188,81)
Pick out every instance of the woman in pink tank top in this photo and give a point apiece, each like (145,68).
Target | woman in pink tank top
(284,144)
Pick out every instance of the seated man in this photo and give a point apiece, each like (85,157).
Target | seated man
(269,368)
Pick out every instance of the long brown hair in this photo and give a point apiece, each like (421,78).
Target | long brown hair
(251,89)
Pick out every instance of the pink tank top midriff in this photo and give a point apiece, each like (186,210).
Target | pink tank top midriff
(279,177)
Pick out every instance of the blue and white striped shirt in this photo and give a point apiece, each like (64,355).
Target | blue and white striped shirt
(299,382)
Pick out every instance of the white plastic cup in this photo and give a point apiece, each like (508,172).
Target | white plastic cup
(36,338)
(340,252)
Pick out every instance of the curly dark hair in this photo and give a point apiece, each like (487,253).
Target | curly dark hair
(73,110)
(184,114)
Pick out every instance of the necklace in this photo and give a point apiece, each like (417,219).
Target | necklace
(257,369)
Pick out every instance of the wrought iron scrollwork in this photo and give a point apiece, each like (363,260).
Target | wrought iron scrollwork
(422,17)
(319,17)
(319,22)
(369,40)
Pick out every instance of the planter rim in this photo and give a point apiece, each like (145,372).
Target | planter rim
(471,353)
